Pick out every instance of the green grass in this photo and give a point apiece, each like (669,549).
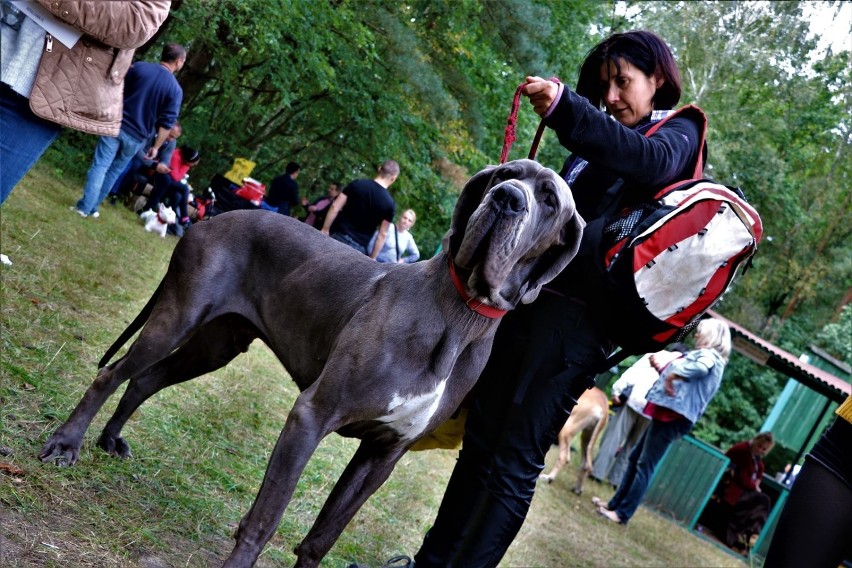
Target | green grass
(200,449)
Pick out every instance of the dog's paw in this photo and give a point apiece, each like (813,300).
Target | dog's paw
(60,450)
(115,446)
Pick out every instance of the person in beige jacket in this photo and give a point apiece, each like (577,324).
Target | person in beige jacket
(45,85)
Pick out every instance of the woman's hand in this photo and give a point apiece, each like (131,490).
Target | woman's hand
(541,92)
(668,383)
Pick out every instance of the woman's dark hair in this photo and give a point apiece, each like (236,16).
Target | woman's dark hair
(642,49)
(190,154)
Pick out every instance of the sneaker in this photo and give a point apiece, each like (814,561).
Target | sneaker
(78,212)
(95,215)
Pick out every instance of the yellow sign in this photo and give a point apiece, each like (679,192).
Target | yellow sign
(241,169)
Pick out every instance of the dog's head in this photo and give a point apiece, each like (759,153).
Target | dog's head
(166,215)
(514,229)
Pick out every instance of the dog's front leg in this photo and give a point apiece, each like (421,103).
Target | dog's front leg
(300,437)
(368,469)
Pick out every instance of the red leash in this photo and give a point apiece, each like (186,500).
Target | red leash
(477,305)
(510,135)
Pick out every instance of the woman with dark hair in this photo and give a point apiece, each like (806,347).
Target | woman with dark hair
(174,184)
(545,354)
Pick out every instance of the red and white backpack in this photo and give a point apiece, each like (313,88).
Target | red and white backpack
(665,262)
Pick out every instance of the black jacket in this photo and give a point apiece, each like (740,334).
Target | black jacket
(615,154)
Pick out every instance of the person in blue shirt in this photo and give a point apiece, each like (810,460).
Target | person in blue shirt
(152,99)
(675,403)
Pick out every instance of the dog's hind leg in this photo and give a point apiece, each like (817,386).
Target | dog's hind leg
(586,442)
(368,469)
(212,347)
(156,341)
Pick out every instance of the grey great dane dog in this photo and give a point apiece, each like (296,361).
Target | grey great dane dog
(514,228)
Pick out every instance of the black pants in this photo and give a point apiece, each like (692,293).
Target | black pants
(816,522)
(539,365)
(167,188)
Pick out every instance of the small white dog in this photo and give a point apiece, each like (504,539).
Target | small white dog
(158,222)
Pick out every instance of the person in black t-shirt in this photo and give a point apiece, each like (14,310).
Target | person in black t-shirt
(363,206)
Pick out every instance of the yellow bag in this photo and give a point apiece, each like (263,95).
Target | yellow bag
(448,436)
(242,168)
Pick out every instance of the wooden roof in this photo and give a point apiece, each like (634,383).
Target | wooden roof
(765,353)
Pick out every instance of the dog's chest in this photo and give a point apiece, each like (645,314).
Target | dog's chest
(409,415)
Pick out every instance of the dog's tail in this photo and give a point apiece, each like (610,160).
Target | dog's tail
(134,326)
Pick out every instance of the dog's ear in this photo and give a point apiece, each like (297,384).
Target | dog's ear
(556,258)
(469,199)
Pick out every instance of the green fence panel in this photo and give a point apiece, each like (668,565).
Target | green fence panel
(685,480)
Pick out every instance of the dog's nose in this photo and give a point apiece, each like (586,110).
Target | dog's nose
(509,199)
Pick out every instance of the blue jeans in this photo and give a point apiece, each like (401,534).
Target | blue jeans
(643,462)
(111,157)
(25,138)
(540,363)
(267,206)
(347,240)
(620,437)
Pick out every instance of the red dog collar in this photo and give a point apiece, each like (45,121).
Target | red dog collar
(471,302)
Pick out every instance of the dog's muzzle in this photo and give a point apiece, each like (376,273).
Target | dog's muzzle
(509,200)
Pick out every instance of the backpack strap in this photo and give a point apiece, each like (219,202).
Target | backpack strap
(700,118)
(696,114)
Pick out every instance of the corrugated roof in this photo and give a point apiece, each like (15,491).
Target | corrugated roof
(761,351)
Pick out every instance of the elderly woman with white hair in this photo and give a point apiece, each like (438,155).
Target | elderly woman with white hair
(675,403)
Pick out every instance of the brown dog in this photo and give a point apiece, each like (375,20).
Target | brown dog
(513,230)
(589,418)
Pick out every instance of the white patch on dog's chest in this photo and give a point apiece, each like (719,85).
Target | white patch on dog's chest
(410,415)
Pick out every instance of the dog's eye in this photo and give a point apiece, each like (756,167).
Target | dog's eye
(550,200)
(548,195)
(505,173)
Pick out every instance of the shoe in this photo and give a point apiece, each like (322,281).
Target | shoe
(610,515)
(400,561)
(95,215)
(78,212)
(598,502)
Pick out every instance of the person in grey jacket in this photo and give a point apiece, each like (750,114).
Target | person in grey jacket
(675,403)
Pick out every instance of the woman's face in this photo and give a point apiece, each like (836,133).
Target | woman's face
(628,95)
(406,221)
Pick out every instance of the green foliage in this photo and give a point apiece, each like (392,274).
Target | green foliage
(836,337)
(341,86)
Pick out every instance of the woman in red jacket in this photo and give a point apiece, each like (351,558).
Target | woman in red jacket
(747,506)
